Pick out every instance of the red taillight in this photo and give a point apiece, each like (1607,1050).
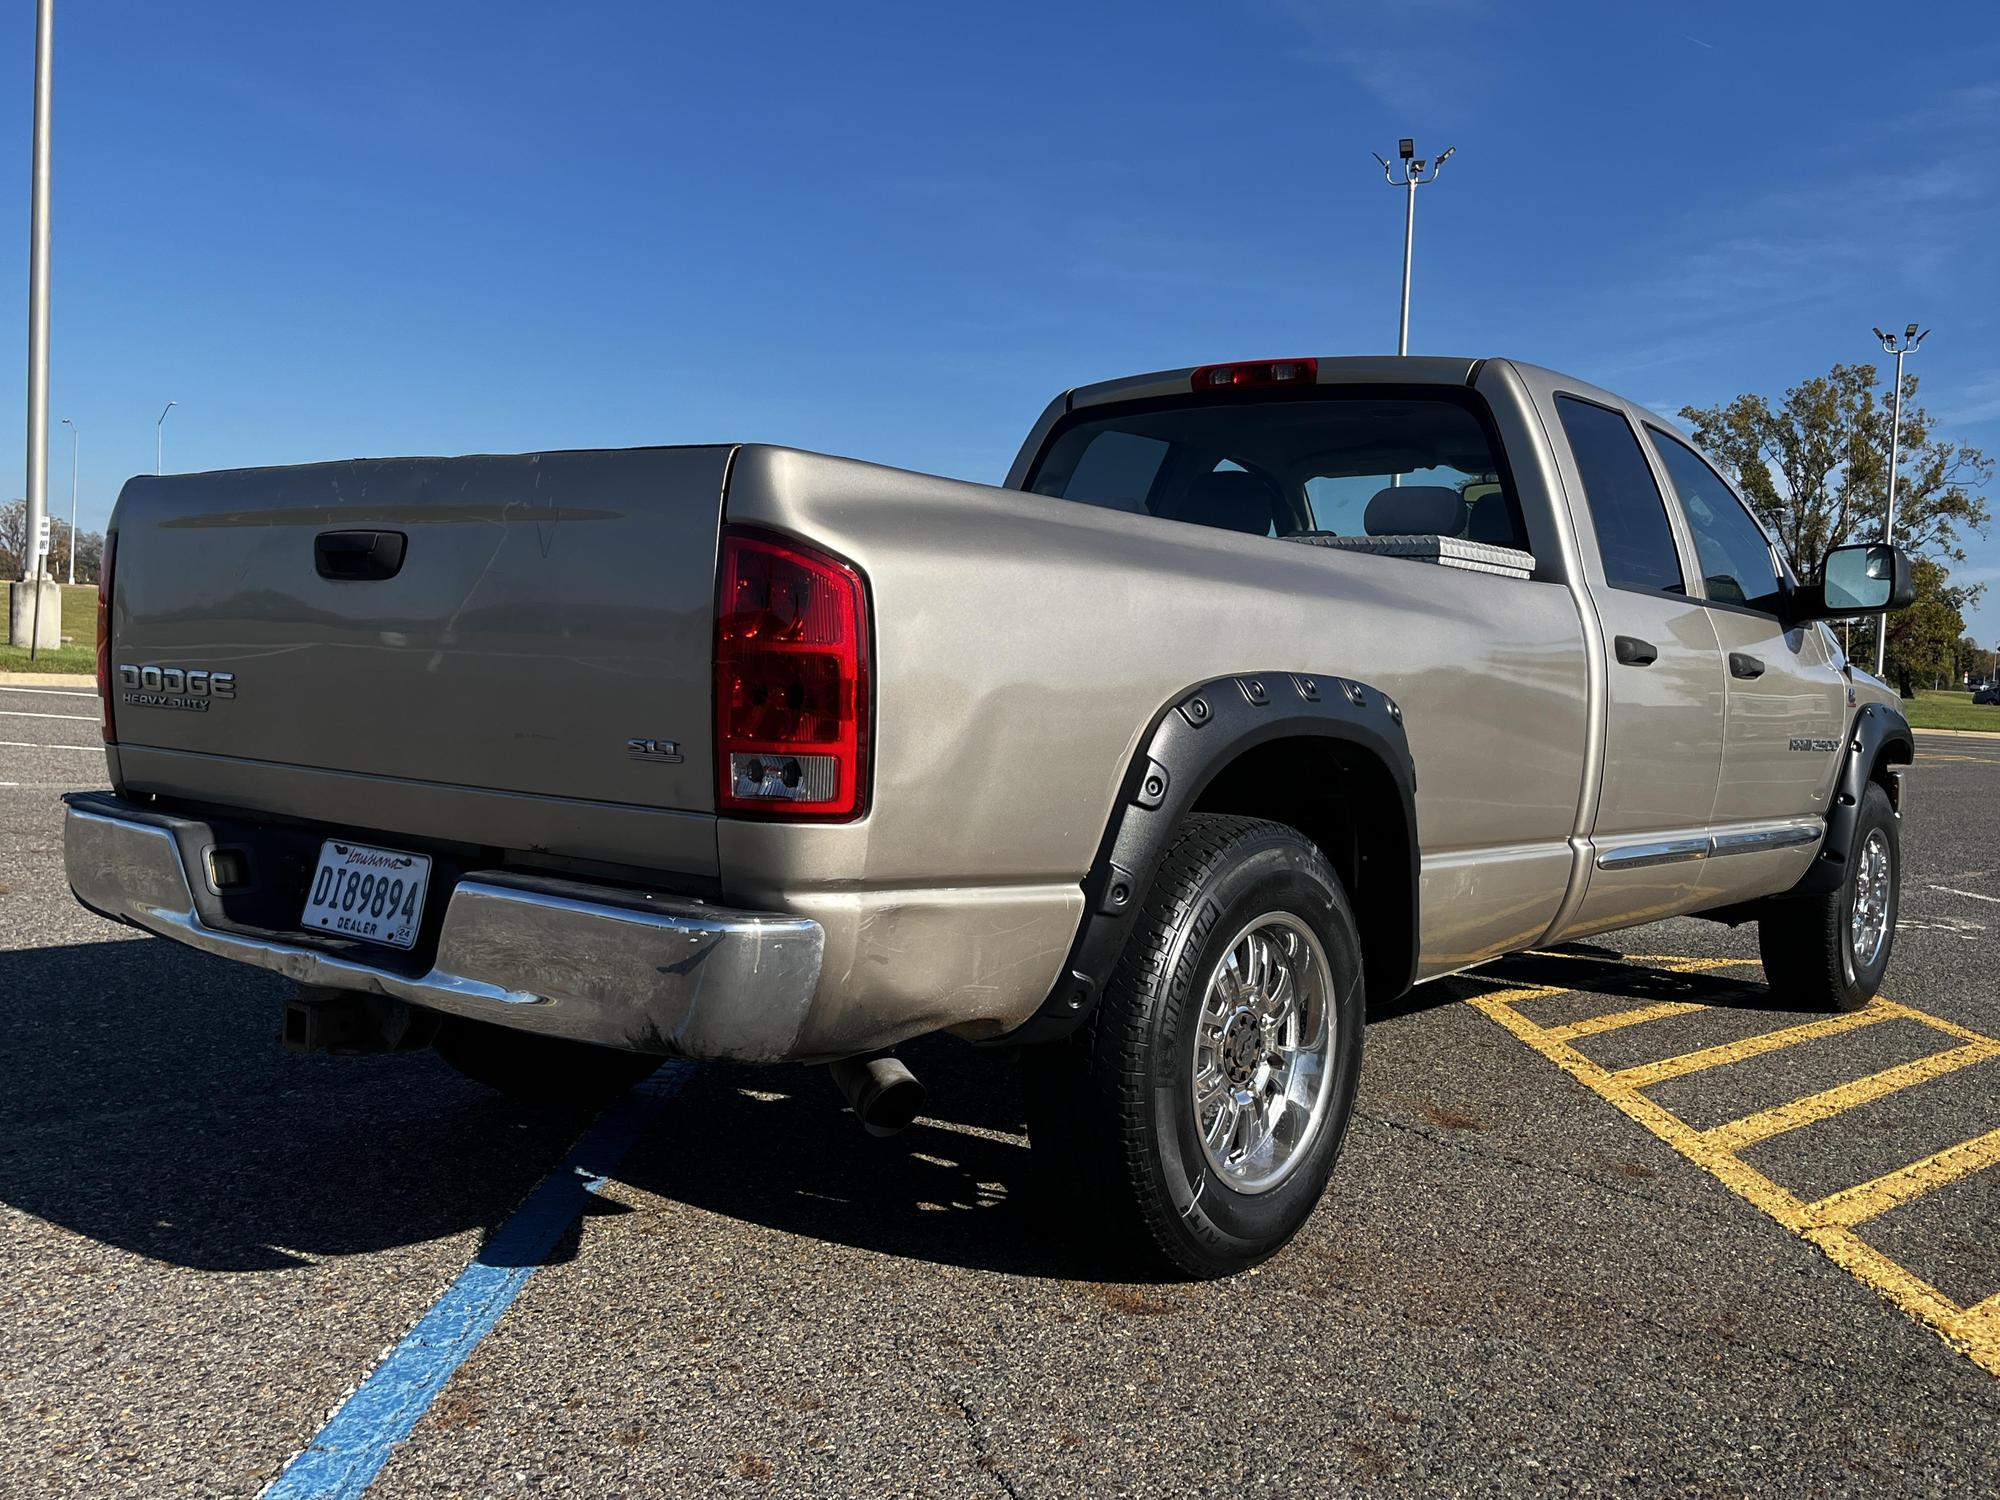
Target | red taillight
(110,725)
(791,680)
(1255,372)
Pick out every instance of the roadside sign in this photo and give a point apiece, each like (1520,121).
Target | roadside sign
(42,538)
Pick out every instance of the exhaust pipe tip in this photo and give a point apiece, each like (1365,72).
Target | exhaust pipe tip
(884,1094)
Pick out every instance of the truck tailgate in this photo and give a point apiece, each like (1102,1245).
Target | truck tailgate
(547,610)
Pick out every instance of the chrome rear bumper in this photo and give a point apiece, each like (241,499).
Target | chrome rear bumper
(618,967)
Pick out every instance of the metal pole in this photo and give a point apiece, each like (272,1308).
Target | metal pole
(74,435)
(1889,518)
(38,313)
(1409,241)
(1407,172)
(156,434)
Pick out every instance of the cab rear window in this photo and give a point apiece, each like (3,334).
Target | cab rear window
(1343,461)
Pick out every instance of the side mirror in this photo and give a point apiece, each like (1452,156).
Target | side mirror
(1867,578)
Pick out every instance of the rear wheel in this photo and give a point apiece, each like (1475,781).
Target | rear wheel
(1830,952)
(1191,1124)
(538,1070)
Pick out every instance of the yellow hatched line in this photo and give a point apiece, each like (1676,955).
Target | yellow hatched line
(1938,1023)
(1621,1019)
(1974,1331)
(1978,1330)
(1821,1106)
(1657,961)
(1647,1074)
(1864,1201)
(1678,963)
(1516,995)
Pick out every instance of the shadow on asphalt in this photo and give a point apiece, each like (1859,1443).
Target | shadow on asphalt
(1595,970)
(149,1106)
(775,1147)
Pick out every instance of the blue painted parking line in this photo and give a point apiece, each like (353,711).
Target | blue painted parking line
(347,1453)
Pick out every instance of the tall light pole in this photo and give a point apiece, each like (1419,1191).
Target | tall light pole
(156,434)
(38,315)
(73,440)
(1407,173)
(1898,347)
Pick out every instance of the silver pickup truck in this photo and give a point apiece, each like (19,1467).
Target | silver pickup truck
(1257,692)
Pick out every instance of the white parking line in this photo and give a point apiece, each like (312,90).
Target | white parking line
(1957,927)
(1973,895)
(49,692)
(15,713)
(26,745)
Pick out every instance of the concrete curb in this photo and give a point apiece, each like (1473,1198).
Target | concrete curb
(1961,734)
(48,680)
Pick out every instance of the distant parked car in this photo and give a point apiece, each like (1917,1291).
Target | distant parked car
(1988,694)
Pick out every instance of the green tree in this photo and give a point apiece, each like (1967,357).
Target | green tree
(1967,660)
(1924,639)
(1816,467)
(89,556)
(14,545)
(13,538)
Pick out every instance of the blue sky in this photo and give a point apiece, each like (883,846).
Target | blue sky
(895,231)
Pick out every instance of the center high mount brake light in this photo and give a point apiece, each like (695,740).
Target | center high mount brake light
(1255,372)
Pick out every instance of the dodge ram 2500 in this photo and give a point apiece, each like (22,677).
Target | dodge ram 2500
(1258,691)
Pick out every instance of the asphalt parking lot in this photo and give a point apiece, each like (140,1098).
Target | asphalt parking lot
(1606,1221)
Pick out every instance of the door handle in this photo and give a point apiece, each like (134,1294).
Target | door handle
(1742,664)
(1634,652)
(359,556)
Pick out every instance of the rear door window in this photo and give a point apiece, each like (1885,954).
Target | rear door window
(1344,460)
(1634,538)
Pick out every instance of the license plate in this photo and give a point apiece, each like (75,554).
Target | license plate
(375,894)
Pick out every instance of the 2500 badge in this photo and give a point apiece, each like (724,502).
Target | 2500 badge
(184,688)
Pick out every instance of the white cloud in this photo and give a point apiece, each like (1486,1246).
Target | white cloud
(1974,400)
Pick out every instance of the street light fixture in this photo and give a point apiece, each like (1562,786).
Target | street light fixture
(1906,345)
(74,437)
(156,435)
(1407,172)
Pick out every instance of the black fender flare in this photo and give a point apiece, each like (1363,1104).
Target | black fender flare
(1189,742)
(1878,735)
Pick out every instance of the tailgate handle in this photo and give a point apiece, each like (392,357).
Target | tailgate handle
(362,556)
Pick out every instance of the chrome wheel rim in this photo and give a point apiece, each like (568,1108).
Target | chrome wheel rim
(1263,1053)
(1868,925)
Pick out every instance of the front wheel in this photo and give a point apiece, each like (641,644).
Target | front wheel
(1829,952)
(1191,1124)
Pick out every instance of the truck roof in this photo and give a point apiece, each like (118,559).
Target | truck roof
(1339,369)
(1420,369)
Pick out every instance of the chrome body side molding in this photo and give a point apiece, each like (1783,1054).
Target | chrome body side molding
(1710,846)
